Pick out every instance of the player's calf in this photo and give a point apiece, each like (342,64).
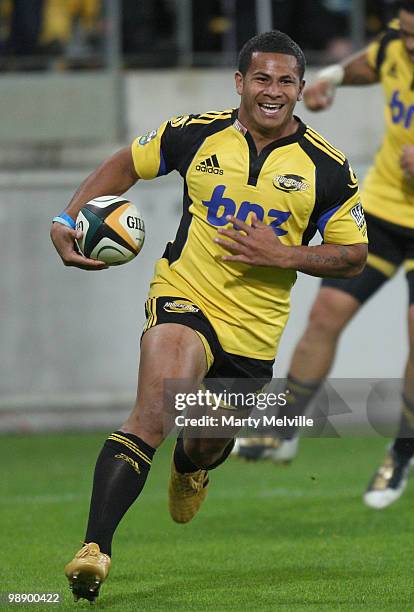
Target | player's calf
(204,453)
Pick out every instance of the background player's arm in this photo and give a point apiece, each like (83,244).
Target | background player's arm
(113,177)
(356,70)
(257,245)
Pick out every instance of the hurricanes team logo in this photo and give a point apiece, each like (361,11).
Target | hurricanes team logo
(180,306)
(290,182)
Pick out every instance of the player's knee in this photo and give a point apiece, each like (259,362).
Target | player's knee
(203,452)
(147,422)
(327,317)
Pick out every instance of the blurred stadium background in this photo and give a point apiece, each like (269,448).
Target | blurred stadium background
(79,79)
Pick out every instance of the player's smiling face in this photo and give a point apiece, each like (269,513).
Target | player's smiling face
(269,91)
(407,32)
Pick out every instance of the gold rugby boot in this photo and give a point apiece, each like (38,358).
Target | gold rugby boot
(186,493)
(87,571)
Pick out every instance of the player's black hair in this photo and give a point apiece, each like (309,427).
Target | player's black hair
(271,42)
(406,5)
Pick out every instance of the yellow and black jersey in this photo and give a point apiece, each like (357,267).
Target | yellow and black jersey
(388,193)
(297,185)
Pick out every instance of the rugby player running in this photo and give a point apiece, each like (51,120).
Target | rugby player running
(242,236)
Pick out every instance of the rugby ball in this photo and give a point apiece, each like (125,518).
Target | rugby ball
(113,230)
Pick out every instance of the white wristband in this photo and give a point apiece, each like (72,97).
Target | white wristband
(333,74)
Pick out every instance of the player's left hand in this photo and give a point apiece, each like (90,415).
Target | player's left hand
(407,161)
(255,244)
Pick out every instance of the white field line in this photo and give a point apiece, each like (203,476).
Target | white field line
(40,499)
(217,494)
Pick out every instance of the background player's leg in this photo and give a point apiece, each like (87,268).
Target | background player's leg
(336,303)
(390,480)
(167,351)
(311,363)
(404,443)
(315,351)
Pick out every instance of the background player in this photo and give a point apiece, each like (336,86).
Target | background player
(237,308)
(388,198)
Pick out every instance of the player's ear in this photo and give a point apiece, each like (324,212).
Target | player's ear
(300,94)
(238,77)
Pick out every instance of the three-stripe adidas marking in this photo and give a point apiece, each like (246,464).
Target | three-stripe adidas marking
(210,165)
(131,445)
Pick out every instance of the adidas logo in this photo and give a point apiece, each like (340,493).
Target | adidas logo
(210,165)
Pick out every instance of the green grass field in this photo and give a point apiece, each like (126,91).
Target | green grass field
(268,538)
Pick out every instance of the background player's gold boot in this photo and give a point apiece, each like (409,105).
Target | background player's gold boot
(186,493)
(87,571)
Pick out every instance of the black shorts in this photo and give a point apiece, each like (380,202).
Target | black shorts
(252,374)
(389,247)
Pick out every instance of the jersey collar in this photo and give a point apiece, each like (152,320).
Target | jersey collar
(280,142)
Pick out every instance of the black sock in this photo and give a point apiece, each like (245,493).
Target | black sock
(184,465)
(226,452)
(298,397)
(120,474)
(182,462)
(404,442)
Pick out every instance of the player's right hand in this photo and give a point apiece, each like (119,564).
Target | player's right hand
(63,239)
(319,95)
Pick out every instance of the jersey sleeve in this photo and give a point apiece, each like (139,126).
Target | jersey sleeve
(377,49)
(160,151)
(341,215)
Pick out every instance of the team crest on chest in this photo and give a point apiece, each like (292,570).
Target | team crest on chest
(290,182)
